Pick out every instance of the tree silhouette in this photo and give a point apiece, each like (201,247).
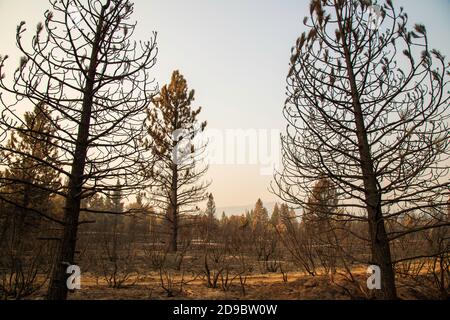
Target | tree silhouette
(367,109)
(172,126)
(96,84)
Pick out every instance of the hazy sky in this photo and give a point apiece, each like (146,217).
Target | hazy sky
(235,53)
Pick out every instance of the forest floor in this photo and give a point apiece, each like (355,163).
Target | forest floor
(299,286)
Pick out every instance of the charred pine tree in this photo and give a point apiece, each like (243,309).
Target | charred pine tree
(85,67)
(367,109)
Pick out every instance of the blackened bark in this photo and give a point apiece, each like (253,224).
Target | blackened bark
(173,244)
(381,254)
(379,242)
(173,211)
(66,250)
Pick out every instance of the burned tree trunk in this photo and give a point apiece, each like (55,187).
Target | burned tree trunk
(381,254)
(66,252)
(173,210)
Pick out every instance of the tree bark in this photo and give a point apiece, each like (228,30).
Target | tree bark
(380,249)
(381,254)
(173,211)
(173,244)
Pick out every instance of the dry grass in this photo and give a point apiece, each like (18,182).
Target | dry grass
(299,286)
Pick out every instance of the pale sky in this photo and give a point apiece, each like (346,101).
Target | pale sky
(235,54)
